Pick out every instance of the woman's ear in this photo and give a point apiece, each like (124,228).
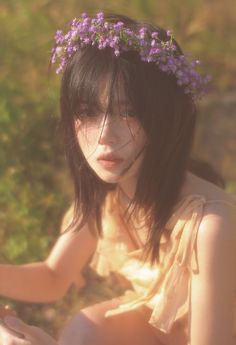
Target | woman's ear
(77,125)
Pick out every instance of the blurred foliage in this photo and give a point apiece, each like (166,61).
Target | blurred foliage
(34,185)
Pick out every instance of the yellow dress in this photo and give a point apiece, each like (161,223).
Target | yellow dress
(164,287)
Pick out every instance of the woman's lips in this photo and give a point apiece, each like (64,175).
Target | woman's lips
(109,162)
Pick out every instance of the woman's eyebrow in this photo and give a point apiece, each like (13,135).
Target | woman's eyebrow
(116,105)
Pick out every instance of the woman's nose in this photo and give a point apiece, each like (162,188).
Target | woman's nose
(109,131)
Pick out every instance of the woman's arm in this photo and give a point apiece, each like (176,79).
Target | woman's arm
(213,286)
(49,280)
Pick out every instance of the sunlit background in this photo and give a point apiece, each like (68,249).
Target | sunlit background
(35,186)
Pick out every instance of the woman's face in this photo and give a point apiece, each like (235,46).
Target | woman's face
(113,145)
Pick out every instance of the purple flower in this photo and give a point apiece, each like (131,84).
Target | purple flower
(59,37)
(118,26)
(100,15)
(142,32)
(73,22)
(86,21)
(74,35)
(70,50)
(153,43)
(142,42)
(86,40)
(92,28)
(102,34)
(154,34)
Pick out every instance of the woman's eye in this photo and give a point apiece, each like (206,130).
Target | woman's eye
(86,114)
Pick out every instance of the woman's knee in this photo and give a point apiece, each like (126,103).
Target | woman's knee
(80,330)
(90,327)
(87,327)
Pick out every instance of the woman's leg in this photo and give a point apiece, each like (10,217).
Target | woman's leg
(90,327)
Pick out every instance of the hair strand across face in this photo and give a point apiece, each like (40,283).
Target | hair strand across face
(165,112)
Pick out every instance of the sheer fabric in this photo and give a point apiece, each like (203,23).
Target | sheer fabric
(164,287)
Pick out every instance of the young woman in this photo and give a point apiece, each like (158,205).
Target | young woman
(128,105)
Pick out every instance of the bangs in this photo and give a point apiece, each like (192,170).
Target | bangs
(97,72)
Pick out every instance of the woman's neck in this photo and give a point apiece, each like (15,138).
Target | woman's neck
(123,198)
(128,187)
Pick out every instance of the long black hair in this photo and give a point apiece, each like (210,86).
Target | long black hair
(166,113)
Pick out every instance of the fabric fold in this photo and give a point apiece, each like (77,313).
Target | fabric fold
(163,287)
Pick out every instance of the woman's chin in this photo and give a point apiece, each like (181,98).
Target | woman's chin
(109,178)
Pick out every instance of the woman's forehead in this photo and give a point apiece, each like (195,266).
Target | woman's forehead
(116,97)
(104,93)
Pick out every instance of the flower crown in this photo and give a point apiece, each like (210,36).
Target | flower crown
(102,34)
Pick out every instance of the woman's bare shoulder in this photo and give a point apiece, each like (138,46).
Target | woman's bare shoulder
(219,217)
(220,204)
(221,207)
(216,237)
(213,283)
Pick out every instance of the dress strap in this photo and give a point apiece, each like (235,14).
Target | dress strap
(190,229)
